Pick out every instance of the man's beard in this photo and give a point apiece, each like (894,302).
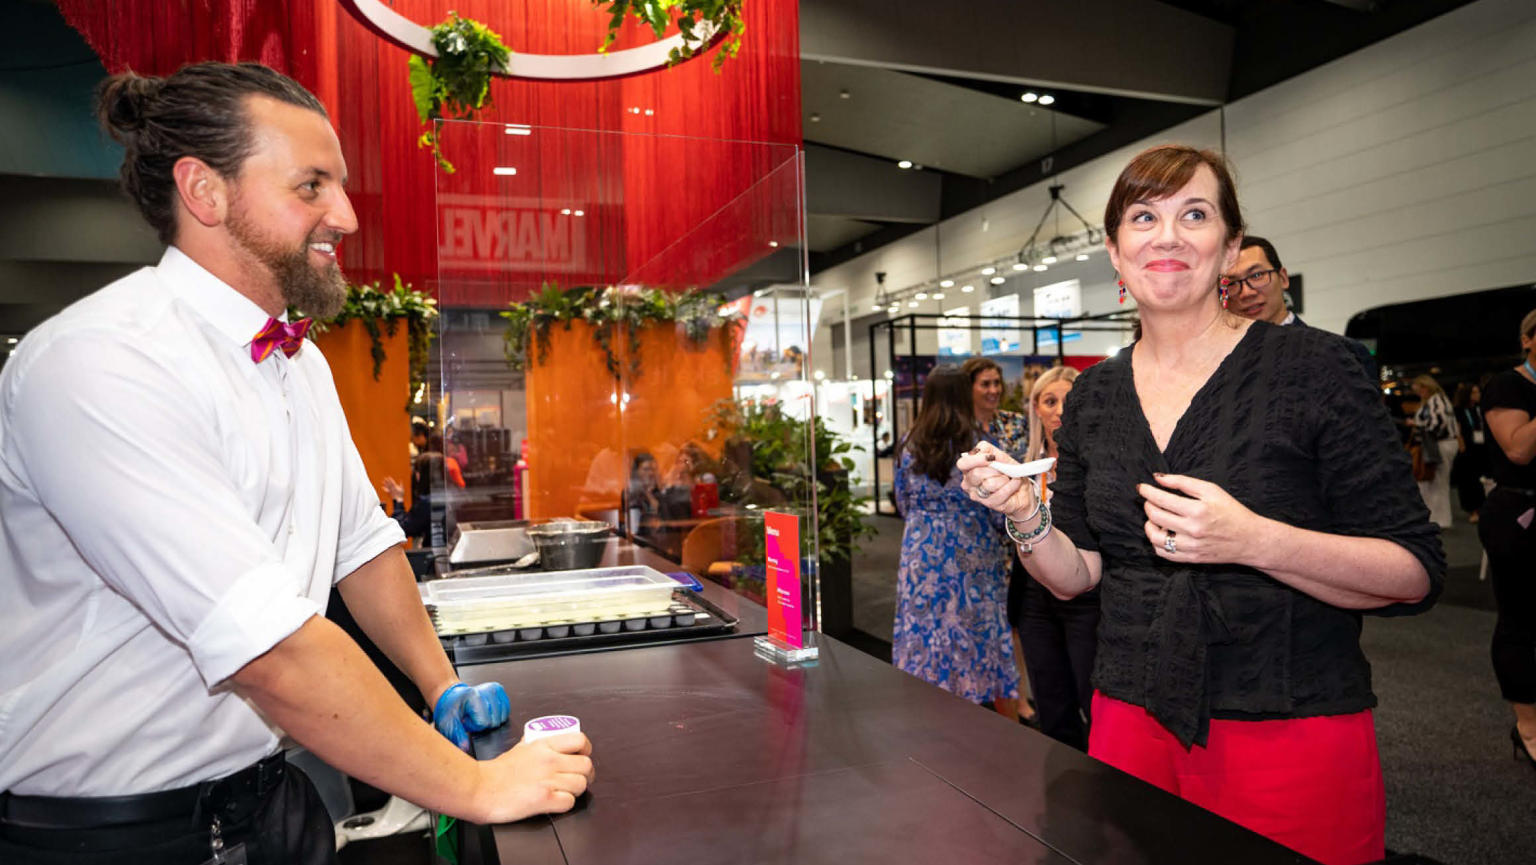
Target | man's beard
(319,293)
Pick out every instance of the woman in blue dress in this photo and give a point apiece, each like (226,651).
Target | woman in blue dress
(951,588)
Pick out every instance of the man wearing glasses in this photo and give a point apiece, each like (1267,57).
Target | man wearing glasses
(1256,289)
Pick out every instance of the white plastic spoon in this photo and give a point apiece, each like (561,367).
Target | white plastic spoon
(1025,470)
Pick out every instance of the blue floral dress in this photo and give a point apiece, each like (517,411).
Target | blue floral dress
(951,590)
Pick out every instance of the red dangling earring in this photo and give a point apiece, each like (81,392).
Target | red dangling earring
(1121,283)
(1222,290)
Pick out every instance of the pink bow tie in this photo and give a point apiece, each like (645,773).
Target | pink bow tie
(277,335)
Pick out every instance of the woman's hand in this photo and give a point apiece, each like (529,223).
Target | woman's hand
(1013,497)
(1205,523)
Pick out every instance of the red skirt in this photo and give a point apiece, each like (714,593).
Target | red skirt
(1312,784)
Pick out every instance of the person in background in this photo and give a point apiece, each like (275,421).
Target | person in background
(161,627)
(642,496)
(1010,430)
(1508,536)
(1258,286)
(1237,493)
(1058,636)
(1472,455)
(454,449)
(1435,425)
(419,433)
(951,627)
(452,468)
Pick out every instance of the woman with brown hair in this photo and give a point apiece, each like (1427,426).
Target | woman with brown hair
(951,628)
(1434,425)
(1010,431)
(1239,496)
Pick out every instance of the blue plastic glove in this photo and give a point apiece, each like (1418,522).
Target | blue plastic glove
(463,709)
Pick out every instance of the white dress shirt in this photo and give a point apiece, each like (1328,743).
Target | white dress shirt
(171,510)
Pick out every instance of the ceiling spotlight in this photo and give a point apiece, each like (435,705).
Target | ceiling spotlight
(1049,259)
(1047,99)
(815,118)
(504,171)
(938,295)
(905,163)
(1031,96)
(774,244)
(565,211)
(1082,256)
(967,288)
(922,295)
(820,376)
(946,283)
(1040,268)
(578,213)
(889,374)
(649,112)
(518,129)
(912,304)
(1020,266)
(843,94)
(988,271)
(876,306)
(997,280)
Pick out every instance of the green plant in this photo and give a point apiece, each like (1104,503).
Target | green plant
(380,311)
(610,311)
(457,83)
(781,455)
(698,20)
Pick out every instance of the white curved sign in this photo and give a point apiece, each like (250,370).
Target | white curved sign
(396,28)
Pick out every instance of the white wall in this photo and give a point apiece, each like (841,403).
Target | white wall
(1403,171)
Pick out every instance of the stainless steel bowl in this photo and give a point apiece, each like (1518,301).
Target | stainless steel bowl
(566,545)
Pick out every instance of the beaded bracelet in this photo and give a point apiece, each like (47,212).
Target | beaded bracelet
(1026,542)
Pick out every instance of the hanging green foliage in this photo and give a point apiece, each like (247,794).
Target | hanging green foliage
(611,310)
(697,20)
(457,83)
(380,311)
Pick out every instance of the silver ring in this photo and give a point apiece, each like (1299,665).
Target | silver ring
(1169,543)
(982,491)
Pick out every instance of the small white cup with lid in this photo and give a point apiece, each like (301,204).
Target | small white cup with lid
(550,725)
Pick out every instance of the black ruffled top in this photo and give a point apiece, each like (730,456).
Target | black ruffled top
(1290,426)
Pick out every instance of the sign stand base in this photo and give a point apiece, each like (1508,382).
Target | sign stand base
(770,649)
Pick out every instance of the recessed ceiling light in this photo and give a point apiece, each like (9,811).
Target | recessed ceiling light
(503,171)
(938,295)
(579,213)
(905,163)
(998,280)
(1083,256)
(815,118)
(843,94)
(774,244)
(889,374)
(922,295)
(1047,99)
(876,307)
(988,271)
(820,375)
(517,129)
(1021,266)
(1031,96)
(1049,259)
(946,283)
(912,304)
(565,211)
(1040,268)
(967,288)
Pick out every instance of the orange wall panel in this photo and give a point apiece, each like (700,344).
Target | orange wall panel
(375,409)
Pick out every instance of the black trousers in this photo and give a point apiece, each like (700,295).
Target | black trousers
(1512,568)
(288,826)
(1060,639)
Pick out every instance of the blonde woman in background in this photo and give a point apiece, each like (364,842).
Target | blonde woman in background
(1058,637)
(1435,425)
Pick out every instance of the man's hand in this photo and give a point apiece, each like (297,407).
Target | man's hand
(542,777)
(463,709)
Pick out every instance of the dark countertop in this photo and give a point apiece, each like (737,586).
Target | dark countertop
(706,753)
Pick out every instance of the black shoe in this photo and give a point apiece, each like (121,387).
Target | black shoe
(1521,752)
